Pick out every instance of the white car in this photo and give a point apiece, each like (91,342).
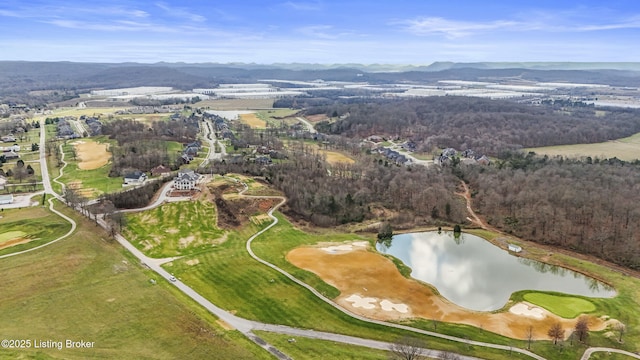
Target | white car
(173,279)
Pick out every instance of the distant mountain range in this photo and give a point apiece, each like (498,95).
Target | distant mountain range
(18,78)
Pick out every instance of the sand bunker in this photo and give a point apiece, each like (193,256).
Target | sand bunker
(362,302)
(339,249)
(369,303)
(357,269)
(92,155)
(387,305)
(526,309)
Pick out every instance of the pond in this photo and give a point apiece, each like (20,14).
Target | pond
(473,273)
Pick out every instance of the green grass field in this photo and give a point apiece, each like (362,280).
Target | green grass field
(174,229)
(567,307)
(311,349)
(627,149)
(87,288)
(10,235)
(35,223)
(96,181)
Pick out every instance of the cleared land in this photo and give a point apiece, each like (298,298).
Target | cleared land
(87,288)
(627,149)
(566,306)
(175,229)
(334,157)
(253,121)
(92,155)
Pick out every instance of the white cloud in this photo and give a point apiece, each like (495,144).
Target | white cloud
(303,6)
(452,28)
(181,13)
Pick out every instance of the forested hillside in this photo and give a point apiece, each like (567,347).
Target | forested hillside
(588,207)
(329,195)
(488,126)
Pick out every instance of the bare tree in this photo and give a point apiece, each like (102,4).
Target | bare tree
(556,332)
(620,328)
(408,348)
(529,336)
(582,328)
(444,355)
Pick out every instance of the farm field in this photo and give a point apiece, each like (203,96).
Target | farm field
(253,121)
(334,157)
(22,229)
(236,104)
(627,149)
(77,112)
(86,287)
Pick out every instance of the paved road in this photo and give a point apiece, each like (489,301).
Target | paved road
(308,124)
(589,351)
(247,326)
(409,156)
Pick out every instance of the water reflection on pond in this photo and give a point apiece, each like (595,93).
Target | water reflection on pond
(473,273)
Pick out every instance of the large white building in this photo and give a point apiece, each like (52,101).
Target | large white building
(186,180)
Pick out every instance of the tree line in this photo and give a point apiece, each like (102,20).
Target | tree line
(584,205)
(488,126)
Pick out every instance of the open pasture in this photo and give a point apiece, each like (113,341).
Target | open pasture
(92,155)
(86,287)
(627,149)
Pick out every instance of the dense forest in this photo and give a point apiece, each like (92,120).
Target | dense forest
(488,126)
(587,206)
(327,195)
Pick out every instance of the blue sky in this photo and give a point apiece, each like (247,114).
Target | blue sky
(322,31)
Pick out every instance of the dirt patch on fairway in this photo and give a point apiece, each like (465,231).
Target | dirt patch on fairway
(184,242)
(13,242)
(371,285)
(92,155)
(192,262)
(253,121)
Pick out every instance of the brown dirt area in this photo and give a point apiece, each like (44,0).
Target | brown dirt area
(334,157)
(253,121)
(359,272)
(92,155)
(13,242)
(316,118)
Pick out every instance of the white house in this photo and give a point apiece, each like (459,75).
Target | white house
(514,248)
(6,199)
(186,180)
(135,178)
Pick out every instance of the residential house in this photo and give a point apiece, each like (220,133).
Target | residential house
(3,182)
(11,155)
(135,178)
(483,160)
(263,160)
(8,138)
(160,170)
(186,180)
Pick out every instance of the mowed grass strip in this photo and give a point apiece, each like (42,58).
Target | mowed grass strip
(311,349)
(173,229)
(87,287)
(37,224)
(567,307)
